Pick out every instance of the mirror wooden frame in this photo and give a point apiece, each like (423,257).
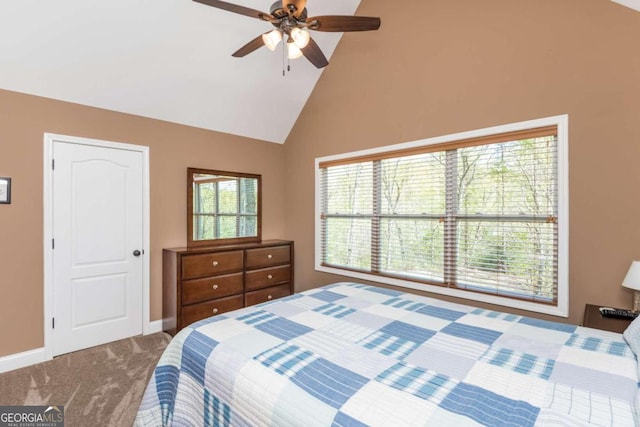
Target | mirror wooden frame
(191,242)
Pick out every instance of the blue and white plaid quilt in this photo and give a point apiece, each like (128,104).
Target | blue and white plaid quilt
(355,355)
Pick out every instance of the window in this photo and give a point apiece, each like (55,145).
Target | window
(480,215)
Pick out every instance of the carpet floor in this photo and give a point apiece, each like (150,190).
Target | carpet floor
(101,386)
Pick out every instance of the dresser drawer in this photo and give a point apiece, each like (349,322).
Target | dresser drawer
(204,281)
(194,266)
(195,312)
(267,294)
(211,287)
(265,257)
(265,277)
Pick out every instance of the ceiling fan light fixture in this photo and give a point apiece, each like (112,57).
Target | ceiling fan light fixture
(292,23)
(300,37)
(294,51)
(271,39)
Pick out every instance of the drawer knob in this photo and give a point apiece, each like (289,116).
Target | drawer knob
(270,276)
(214,311)
(215,263)
(215,287)
(269,256)
(269,297)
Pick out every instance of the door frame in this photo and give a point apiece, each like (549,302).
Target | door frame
(49,140)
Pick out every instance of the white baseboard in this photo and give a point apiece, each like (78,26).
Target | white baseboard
(31,357)
(155,326)
(20,360)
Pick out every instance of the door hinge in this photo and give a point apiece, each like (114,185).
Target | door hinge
(53,323)
(53,164)
(53,243)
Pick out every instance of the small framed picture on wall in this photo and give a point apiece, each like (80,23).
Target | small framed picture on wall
(5,190)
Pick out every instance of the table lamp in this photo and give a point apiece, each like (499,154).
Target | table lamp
(632,281)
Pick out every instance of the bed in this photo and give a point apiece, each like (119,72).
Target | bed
(349,354)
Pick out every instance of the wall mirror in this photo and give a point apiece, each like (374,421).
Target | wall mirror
(223,207)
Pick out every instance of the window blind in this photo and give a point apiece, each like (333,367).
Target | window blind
(478,215)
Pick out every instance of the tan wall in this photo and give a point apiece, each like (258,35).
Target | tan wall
(435,67)
(23,121)
(442,66)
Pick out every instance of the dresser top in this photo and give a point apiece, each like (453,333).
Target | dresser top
(221,248)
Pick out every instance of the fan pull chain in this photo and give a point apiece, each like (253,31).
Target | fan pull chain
(288,59)
(284,53)
(285,58)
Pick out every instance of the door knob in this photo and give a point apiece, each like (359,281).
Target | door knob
(136,253)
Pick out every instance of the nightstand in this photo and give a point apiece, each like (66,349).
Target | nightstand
(593,319)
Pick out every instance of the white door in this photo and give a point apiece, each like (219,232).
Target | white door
(97,246)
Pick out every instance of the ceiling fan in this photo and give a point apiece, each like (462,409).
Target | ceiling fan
(290,19)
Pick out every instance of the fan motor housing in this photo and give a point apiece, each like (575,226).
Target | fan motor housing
(277,11)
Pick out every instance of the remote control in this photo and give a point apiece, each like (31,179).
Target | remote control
(618,312)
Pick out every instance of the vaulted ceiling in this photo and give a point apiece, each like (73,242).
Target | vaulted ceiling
(164,59)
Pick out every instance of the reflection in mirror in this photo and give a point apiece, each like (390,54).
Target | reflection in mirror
(224,207)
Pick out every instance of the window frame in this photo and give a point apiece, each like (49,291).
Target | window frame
(561,122)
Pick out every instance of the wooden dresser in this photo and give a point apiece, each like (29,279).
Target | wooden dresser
(201,282)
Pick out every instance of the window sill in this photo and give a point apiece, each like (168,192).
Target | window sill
(561,310)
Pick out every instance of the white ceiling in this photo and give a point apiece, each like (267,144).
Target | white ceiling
(164,59)
(633,4)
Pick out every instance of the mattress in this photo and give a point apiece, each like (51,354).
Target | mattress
(349,354)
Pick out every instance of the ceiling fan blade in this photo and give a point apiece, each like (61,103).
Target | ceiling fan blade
(237,9)
(343,23)
(313,53)
(254,44)
(298,6)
